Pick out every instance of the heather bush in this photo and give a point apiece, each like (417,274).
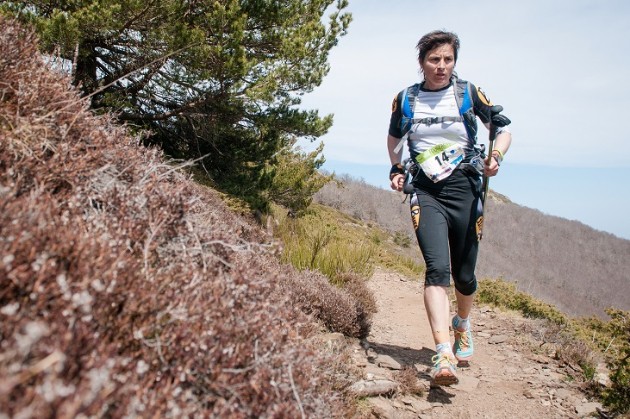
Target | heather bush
(356,286)
(407,377)
(337,309)
(127,290)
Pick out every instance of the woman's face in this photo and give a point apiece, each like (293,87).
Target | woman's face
(438,66)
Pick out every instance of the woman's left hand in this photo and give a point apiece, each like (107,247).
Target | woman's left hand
(491,167)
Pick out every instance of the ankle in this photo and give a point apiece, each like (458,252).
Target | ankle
(444,348)
(461,324)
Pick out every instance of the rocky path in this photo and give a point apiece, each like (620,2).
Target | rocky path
(510,375)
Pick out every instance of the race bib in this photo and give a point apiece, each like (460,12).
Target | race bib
(439,161)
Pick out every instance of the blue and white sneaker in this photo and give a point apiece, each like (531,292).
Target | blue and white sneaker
(443,372)
(463,347)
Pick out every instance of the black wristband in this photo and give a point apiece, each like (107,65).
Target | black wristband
(396,169)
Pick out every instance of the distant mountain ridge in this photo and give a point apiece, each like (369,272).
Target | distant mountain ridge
(580,270)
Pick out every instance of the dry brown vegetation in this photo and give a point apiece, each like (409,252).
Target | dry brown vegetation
(580,270)
(128,290)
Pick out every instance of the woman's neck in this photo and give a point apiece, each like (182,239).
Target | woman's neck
(425,86)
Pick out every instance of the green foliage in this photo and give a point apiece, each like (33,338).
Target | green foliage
(337,245)
(401,264)
(612,338)
(377,238)
(313,242)
(218,81)
(297,179)
(504,294)
(402,239)
(617,396)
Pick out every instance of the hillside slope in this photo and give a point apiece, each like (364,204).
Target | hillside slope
(126,290)
(580,270)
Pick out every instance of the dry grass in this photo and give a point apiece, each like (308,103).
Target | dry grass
(127,290)
(408,381)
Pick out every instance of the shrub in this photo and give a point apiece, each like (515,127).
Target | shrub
(402,239)
(337,309)
(316,242)
(617,396)
(296,178)
(504,294)
(407,378)
(357,287)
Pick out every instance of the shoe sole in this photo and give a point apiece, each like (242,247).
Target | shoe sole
(463,358)
(444,380)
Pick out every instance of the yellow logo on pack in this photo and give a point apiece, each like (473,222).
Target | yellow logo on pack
(415,216)
(415,211)
(394,105)
(439,161)
(479,227)
(483,97)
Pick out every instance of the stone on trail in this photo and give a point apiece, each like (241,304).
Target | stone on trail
(374,388)
(467,384)
(386,361)
(496,339)
(587,409)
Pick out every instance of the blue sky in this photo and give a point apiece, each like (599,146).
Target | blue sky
(559,69)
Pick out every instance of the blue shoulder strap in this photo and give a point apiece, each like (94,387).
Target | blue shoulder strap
(463,96)
(407,103)
(464,100)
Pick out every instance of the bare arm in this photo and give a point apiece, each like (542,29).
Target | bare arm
(392,143)
(501,146)
(395,158)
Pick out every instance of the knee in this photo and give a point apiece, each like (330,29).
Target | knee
(466,286)
(438,274)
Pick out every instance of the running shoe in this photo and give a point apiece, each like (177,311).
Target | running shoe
(443,372)
(463,347)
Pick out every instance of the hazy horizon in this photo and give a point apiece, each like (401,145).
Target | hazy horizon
(554,66)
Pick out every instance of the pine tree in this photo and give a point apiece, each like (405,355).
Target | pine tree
(218,81)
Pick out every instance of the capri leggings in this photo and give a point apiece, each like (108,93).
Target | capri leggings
(444,215)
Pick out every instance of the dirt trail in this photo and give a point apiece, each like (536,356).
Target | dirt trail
(506,377)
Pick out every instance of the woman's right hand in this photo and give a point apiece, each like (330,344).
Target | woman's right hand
(397,182)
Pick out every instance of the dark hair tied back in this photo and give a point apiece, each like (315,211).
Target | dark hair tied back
(435,39)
